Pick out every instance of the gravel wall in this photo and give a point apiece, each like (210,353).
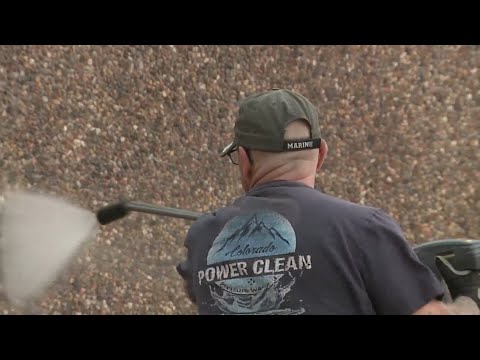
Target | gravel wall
(100,123)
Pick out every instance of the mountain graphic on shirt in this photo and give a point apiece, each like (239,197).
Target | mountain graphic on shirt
(253,231)
(251,228)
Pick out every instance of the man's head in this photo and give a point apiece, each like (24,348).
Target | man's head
(277,137)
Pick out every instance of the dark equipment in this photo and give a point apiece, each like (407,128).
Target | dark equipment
(456,262)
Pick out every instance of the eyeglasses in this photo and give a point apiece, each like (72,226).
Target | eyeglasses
(233,155)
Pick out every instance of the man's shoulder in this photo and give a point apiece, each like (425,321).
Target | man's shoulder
(335,206)
(364,218)
(370,215)
(345,212)
(204,221)
(210,220)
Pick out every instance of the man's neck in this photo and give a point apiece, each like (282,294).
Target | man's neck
(282,173)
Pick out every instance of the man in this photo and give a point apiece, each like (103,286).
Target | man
(287,248)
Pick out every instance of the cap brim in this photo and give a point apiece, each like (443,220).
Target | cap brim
(228,149)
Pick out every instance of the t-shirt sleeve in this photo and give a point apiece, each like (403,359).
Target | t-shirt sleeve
(397,282)
(185,267)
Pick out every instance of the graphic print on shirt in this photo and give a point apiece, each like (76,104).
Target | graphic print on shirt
(252,265)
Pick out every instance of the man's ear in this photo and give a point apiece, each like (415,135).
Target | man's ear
(244,164)
(322,153)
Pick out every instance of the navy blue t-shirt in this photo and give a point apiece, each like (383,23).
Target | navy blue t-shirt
(286,248)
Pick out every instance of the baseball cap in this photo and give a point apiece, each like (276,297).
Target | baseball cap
(263,118)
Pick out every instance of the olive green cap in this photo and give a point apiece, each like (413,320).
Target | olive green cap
(263,118)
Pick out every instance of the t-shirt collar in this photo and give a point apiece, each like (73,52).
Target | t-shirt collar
(275,183)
